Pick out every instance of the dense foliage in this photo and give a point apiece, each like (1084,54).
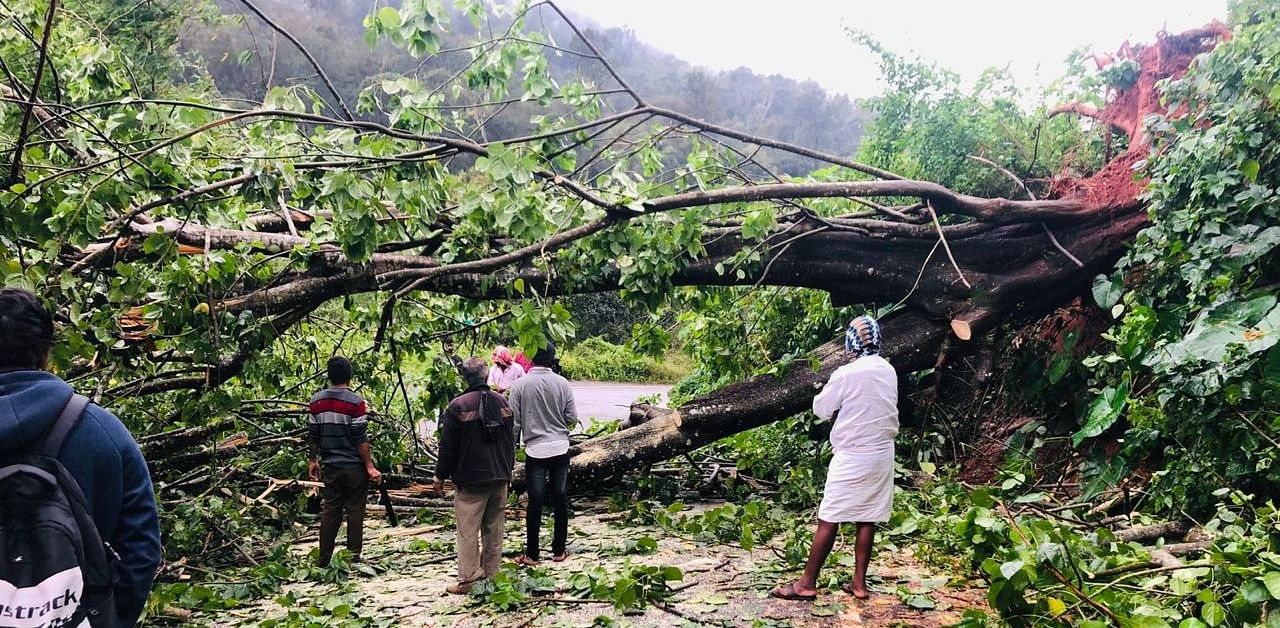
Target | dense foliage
(1192,373)
(596,359)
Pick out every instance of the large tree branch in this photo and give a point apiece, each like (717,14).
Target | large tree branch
(15,169)
(214,375)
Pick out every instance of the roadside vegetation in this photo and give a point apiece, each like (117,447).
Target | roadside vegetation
(596,359)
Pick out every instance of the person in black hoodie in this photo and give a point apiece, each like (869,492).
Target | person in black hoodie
(99,453)
(477,451)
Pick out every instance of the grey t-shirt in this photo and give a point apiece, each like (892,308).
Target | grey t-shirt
(544,409)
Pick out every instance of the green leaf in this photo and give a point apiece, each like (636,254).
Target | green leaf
(1145,621)
(822,611)
(1255,591)
(1272,581)
(1010,568)
(1103,412)
(1107,291)
(389,18)
(1213,613)
(1250,169)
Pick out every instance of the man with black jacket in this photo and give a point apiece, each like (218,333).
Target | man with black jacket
(477,451)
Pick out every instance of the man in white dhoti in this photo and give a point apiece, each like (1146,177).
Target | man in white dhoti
(862,398)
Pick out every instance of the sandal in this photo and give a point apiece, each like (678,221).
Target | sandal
(789,592)
(848,588)
(560,558)
(526,561)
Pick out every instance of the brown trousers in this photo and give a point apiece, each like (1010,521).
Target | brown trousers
(346,491)
(480,511)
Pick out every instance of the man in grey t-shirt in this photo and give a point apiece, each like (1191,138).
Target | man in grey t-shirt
(544,412)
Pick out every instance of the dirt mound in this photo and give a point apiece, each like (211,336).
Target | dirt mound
(1139,69)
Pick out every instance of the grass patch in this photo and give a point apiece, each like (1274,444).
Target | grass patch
(596,359)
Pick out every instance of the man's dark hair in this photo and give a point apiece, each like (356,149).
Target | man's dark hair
(474,371)
(26,330)
(339,370)
(546,356)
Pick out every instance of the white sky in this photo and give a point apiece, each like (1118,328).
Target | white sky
(805,39)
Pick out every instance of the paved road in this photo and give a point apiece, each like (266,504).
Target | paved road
(598,400)
(611,400)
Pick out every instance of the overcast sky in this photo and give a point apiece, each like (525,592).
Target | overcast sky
(805,39)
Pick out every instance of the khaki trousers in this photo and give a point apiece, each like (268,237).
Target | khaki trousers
(480,511)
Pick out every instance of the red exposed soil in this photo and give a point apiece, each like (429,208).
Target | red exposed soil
(1168,58)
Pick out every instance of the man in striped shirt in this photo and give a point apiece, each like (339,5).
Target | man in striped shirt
(339,455)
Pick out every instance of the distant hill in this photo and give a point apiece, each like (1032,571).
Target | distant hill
(238,54)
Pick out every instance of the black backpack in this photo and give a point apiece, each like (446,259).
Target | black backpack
(55,571)
(493,417)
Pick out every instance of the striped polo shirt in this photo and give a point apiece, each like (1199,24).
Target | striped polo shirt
(338,424)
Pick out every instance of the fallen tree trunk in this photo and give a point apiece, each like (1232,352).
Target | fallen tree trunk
(910,344)
(1018,283)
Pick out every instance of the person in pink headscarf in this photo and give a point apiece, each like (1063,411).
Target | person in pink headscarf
(505,370)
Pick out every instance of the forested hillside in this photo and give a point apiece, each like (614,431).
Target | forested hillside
(243,55)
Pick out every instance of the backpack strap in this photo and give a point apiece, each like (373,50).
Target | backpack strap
(71,412)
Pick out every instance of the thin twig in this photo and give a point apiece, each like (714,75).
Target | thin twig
(1260,432)
(920,276)
(786,245)
(946,247)
(599,57)
(306,53)
(1058,245)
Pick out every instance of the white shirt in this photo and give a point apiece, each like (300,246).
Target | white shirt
(862,396)
(501,379)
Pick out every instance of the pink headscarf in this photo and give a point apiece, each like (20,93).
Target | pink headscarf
(502,356)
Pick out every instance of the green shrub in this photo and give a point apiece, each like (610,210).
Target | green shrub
(596,359)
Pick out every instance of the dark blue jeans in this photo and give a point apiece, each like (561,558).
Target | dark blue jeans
(540,473)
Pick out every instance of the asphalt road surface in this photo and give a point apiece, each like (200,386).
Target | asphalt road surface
(595,400)
(611,400)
